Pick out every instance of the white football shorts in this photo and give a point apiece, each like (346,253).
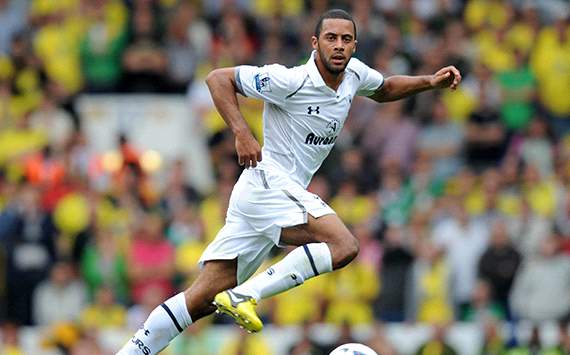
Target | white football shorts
(261,204)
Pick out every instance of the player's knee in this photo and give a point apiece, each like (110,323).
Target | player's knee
(346,250)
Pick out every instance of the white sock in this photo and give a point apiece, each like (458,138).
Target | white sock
(299,265)
(163,324)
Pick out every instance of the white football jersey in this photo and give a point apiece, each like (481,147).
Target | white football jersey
(302,116)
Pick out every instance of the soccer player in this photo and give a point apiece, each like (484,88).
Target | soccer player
(305,110)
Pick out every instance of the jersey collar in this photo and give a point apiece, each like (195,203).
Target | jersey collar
(314,73)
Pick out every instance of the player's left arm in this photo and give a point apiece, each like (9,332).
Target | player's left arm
(399,86)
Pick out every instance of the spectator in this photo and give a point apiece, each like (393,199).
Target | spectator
(522,34)
(537,287)
(482,306)
(144,59)
(370,29)
(540,192)
(528,229)
(464,240)
(105,312)
(102,263)
(352,167)
(518,87)
(486,139)
(102,46)
(187,43)
(391,137)
(352,207)
(429,301)
(350,293)
(488,201)
(395,199)
(442,142)
(44,169)
(498,266)
(549,60)
(395,276)
(151,261)
(370,247)
(485,134)
(425,185)
(30,240)
(437,345)
(185,227)
(178,192)
(56,44)
(536,148)
(62,288)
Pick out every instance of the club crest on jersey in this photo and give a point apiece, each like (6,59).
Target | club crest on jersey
(332,127)
(262,82)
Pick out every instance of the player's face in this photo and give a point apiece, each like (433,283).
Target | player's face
(335,44)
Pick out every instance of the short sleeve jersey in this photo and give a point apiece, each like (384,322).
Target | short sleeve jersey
(302,116)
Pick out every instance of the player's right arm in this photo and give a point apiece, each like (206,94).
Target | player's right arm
(223,88)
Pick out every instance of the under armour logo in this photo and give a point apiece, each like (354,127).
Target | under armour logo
(294,277)
(310,110)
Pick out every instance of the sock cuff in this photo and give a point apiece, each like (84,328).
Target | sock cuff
(319,256)
(177,306)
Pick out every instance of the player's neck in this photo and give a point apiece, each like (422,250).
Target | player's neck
(332,80)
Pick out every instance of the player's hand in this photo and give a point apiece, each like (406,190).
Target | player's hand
(248,150)
(448,77)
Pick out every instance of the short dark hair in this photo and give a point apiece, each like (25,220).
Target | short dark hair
(334,13)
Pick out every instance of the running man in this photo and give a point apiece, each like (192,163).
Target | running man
(304,112)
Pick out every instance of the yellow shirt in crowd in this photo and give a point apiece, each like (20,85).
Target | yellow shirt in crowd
(96,317)
(350,291)
(550,61)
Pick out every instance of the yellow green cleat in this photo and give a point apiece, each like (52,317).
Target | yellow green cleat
(241,308)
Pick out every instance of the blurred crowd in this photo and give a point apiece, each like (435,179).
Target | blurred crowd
(460,199)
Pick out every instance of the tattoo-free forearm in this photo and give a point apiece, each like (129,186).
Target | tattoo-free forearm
(221,83)
(399,86)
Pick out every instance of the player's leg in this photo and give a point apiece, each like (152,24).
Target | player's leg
(328,229)
(325,243)
(177,313)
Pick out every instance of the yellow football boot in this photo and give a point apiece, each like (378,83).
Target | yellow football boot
(241,308)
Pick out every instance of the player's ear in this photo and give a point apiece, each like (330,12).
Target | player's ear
(355,43)
(314,42)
